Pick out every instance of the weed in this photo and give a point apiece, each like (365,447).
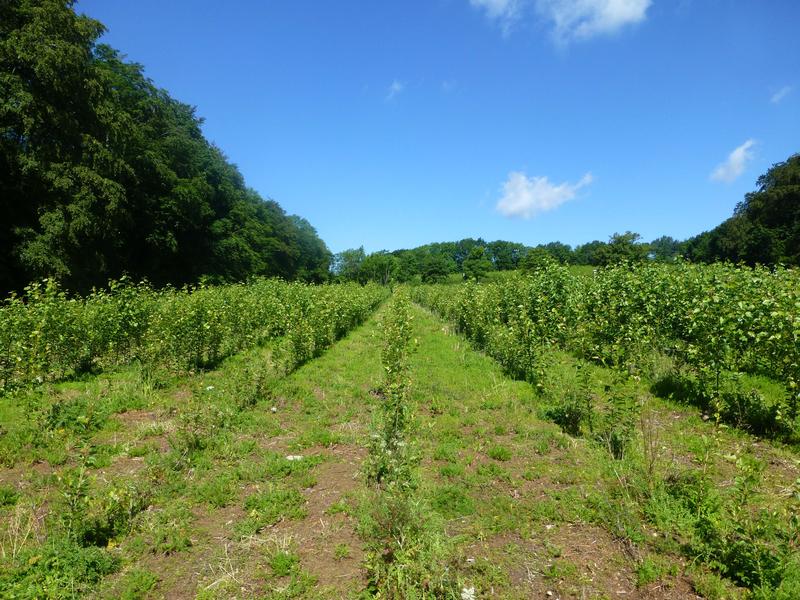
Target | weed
(76,415)
(651,569)
(8,496)
(500,453)
(617,428)
(217,490)
(283,563)
(59,569)
(341,551)
(270,506)
(574,409)
(135,584)
(23,528)
(451,501)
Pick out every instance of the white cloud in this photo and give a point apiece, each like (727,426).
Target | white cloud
(526,197)
(395,89)
(504,12)
(583,19)
(735,164)
(498,9)
(781,94)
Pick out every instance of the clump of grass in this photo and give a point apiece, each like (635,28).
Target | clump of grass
(500,453)
(169,529)
(341,551)
(653,568)
(135,584)
(282,563)
(451,471)
(268,507)
(8,496)
(451,501)
(217,490)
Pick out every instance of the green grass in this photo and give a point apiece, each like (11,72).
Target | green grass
(181,480)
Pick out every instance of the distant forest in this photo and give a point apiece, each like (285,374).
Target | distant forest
(104,175)
(764,229)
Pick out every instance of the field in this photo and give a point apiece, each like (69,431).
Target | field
(630,433)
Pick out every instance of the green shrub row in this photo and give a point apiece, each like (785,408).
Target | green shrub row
(715,322)
(47,336)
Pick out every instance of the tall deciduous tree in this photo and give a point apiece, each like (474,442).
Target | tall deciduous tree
(622,247)
(476,265)
(103,174)
(765,227)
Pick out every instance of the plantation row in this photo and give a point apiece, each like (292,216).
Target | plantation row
(46,336)
(406,555)
(713,323)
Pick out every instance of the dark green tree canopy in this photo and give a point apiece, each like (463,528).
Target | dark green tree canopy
(477,264)
(765,227)
(434,268)
(588,253)
(622,247)
(103,174)
(536,259)
(347,264)
(665,249)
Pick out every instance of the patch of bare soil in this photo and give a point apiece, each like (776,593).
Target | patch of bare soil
(327,544)
(22,475)
(214,559)
(278,443)
(182,394)
(320,534)
(123,467)
(134,419)
(572,561)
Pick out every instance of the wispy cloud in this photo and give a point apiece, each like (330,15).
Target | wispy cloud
(395,89)
(526,197)
(570,20)
(583,19)
(735,164)
(781,94)
(504,11)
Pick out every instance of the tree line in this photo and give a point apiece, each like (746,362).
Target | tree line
(103,174)
(764,229)
(765,226)
(474,258)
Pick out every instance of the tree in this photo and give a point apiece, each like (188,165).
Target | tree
(773,211)
(314,257)
(535,259)
(103,174)
(408,266)
(560,252)
(476,265)
(765,226)
(434,268)
(347,264)
(379,267)
(503,255)
(665,249)
(588,254)
(622,247)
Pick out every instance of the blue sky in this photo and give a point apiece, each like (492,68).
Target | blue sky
(393,124)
